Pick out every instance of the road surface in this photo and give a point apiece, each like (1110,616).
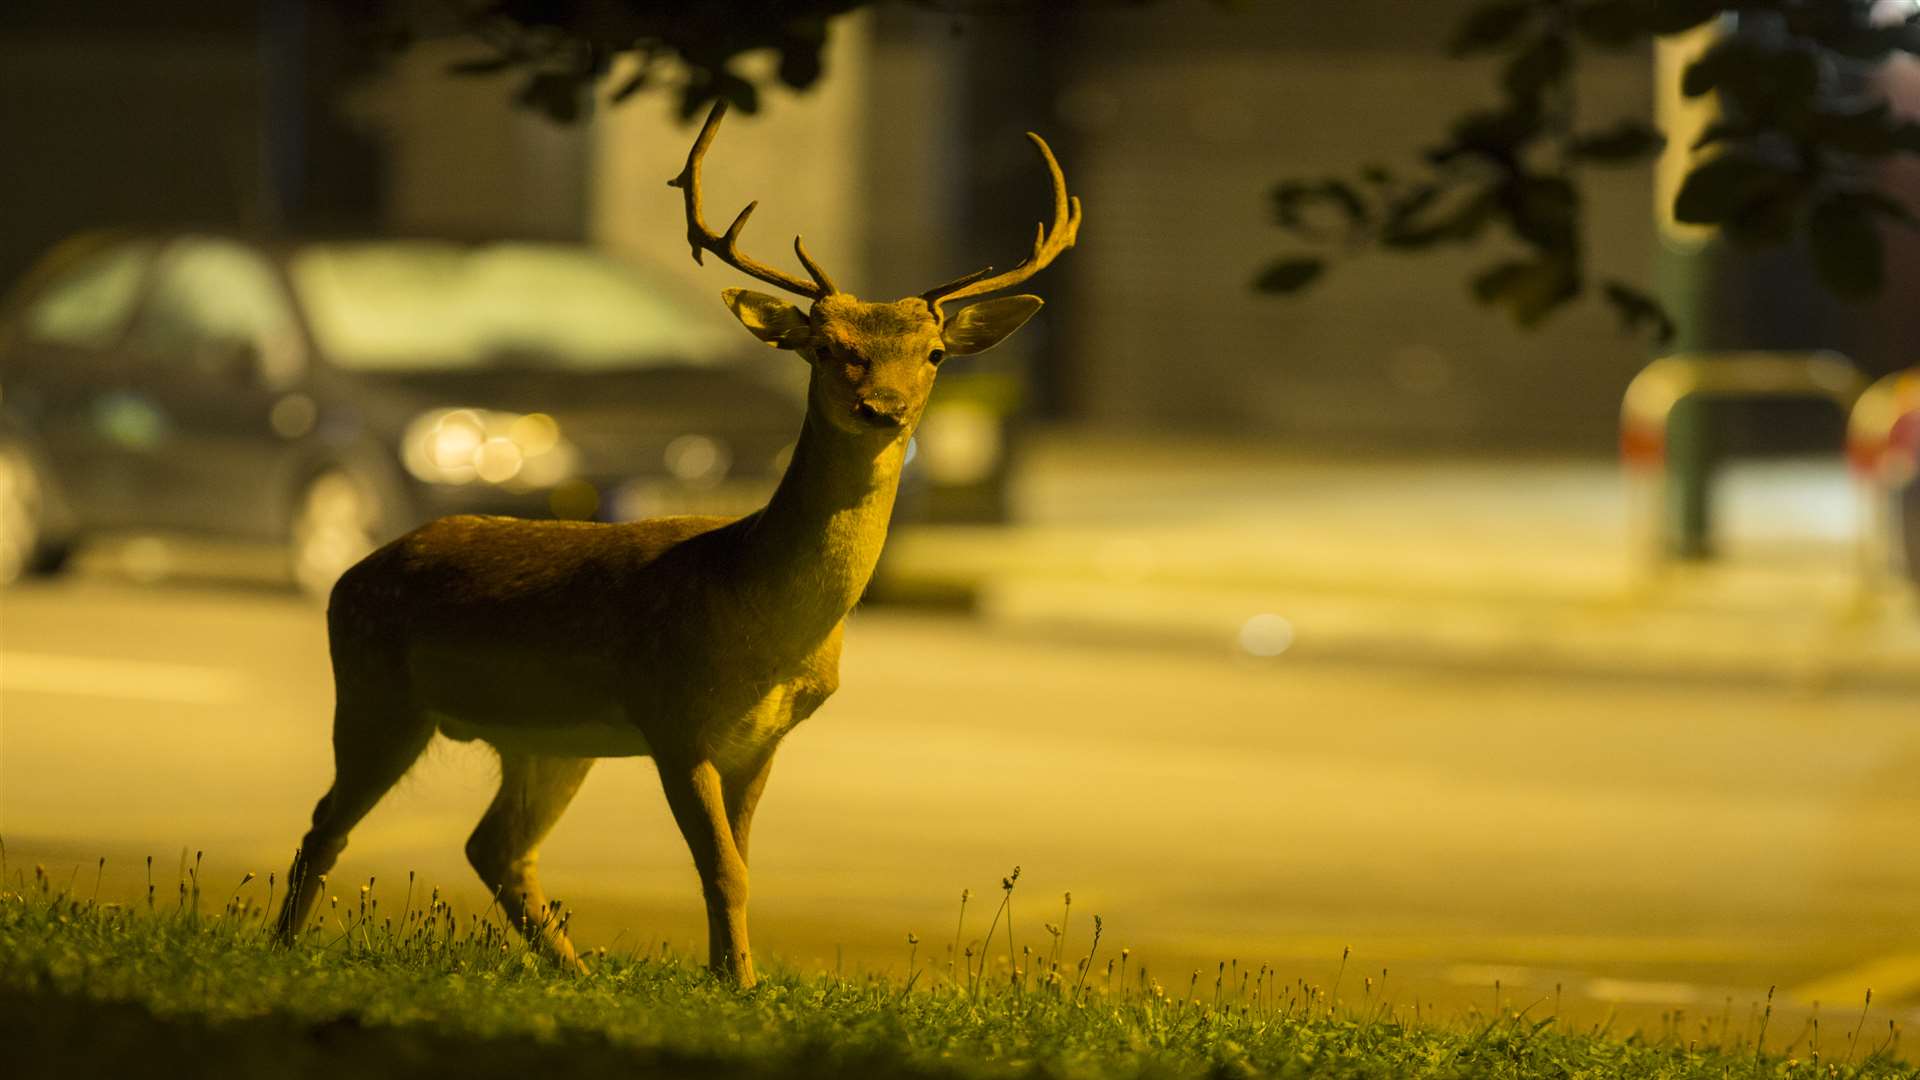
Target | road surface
(1648,843)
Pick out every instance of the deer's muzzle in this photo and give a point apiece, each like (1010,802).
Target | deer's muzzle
(883,409)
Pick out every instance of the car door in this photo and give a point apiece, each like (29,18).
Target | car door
(217,352)
(65,376)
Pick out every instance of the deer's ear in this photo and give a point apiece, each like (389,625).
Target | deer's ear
(983,325)
(772,320)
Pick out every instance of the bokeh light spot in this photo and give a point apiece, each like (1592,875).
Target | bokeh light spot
(534,433)
(1266,634)
(293,416)
(698,460)
(497,460)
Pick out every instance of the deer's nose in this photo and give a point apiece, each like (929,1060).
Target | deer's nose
(883,407)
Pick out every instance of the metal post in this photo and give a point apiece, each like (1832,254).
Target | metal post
(1667,445)
(1883,449)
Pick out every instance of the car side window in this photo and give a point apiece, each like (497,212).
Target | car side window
(217,306)
(86,304)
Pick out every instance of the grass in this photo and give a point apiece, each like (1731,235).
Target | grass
(161,987)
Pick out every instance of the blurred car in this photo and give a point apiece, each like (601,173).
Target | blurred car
(330,395)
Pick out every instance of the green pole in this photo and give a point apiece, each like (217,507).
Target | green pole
(1691,449)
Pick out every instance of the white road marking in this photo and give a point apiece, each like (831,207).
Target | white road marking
(1642,992)
(127,680)
(1622,991)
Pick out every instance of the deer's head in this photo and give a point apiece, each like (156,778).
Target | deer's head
(873,363)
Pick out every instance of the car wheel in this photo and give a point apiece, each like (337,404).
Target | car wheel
(25,547)
(336,523)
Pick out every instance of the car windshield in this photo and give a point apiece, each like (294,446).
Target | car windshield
(422,305)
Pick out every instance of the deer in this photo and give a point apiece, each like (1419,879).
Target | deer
(700,642)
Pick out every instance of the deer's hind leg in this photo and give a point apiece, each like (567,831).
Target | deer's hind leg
(377,736)
(534,790)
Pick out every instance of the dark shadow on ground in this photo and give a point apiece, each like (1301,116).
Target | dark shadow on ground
(47,1036)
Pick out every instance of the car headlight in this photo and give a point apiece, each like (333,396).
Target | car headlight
(517,451)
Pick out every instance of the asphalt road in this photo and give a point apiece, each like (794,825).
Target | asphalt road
(1645,843)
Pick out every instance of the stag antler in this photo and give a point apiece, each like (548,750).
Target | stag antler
(727,245)
(1047,243)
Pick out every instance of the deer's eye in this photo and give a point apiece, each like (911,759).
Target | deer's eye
(936,356)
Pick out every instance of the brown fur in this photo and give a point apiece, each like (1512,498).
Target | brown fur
(699,641)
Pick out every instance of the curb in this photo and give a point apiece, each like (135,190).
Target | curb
(1786,646)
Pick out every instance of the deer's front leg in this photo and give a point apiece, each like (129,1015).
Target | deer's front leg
(742,790)
(698,800)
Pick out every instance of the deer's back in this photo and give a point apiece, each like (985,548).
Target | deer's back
(563,636)
(471,572)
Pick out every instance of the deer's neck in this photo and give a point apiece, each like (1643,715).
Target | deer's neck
(809,554)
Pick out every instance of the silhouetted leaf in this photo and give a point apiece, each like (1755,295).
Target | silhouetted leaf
(556,94)
(1529,290)
(480,65)
(1611,24)
(1498,134)
(1540,65)
(1342,194)
(1769,220)
(1847,250)
(1722,130)
(800,65)
(1290,275)
(1881,203)
(599,59)
(1674,16)
(1544,211)
(1288,196)
(1781,81)
(1423,223)
(1636,308)
(1493,283)
(1757,83)
(1490,26)
(1411,205)
(1714,66)
(632,85)
(1719,190)
(1627,142)
(1761,80)
(695,97)
(1755,202)
(1868,129)
(1471,219)
(1297,202)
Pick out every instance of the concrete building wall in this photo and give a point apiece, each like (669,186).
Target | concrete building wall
(218,113)
(118,129)
(461,159)
(1184,118)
